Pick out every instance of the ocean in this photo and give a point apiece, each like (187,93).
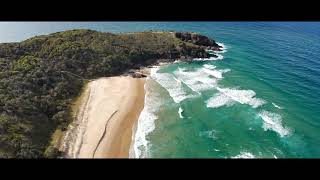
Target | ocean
(258,99)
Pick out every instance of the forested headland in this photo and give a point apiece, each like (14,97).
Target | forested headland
(41,76)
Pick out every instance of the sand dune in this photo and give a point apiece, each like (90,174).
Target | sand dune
(104,123)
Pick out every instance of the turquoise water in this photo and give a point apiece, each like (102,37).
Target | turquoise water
(260,100)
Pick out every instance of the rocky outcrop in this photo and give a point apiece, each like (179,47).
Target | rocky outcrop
(198,39)
(186,52)
(135,74)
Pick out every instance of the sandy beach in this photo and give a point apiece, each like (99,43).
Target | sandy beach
(104,121)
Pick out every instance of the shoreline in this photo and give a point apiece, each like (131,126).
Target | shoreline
(113,137)
(104,125)
(132,153)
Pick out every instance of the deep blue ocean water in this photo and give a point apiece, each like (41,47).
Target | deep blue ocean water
(260,99)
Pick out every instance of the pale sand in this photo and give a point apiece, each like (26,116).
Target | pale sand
(121,96)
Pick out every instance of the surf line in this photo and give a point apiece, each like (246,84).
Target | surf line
(104,133)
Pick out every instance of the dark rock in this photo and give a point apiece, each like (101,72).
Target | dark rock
(138,75)
(213,55)
(188,52)
(196,39)
(215,48)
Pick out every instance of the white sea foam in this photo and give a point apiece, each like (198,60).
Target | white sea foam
(145,124)
(224,48)
(226,96)
(219,57)
(178,80)
(202,79)
(177,61)
(219,100)
(144,127)
(242,96)
(210,51)
(273,121)
(225,70)
(174,88)
(217,53)
(275,105)
(180,112)
(209,66)
(244,155)
(211,69)
(196,80)
(214,73)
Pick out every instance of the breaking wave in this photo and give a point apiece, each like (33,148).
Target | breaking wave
(244,155)
(145,123)
(174,88)
(216,53)
(273,121)
(219,57)
(219,100)
(202,79)
(227,96)
(224,48)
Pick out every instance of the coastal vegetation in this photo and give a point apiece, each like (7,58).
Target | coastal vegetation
(41,76)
